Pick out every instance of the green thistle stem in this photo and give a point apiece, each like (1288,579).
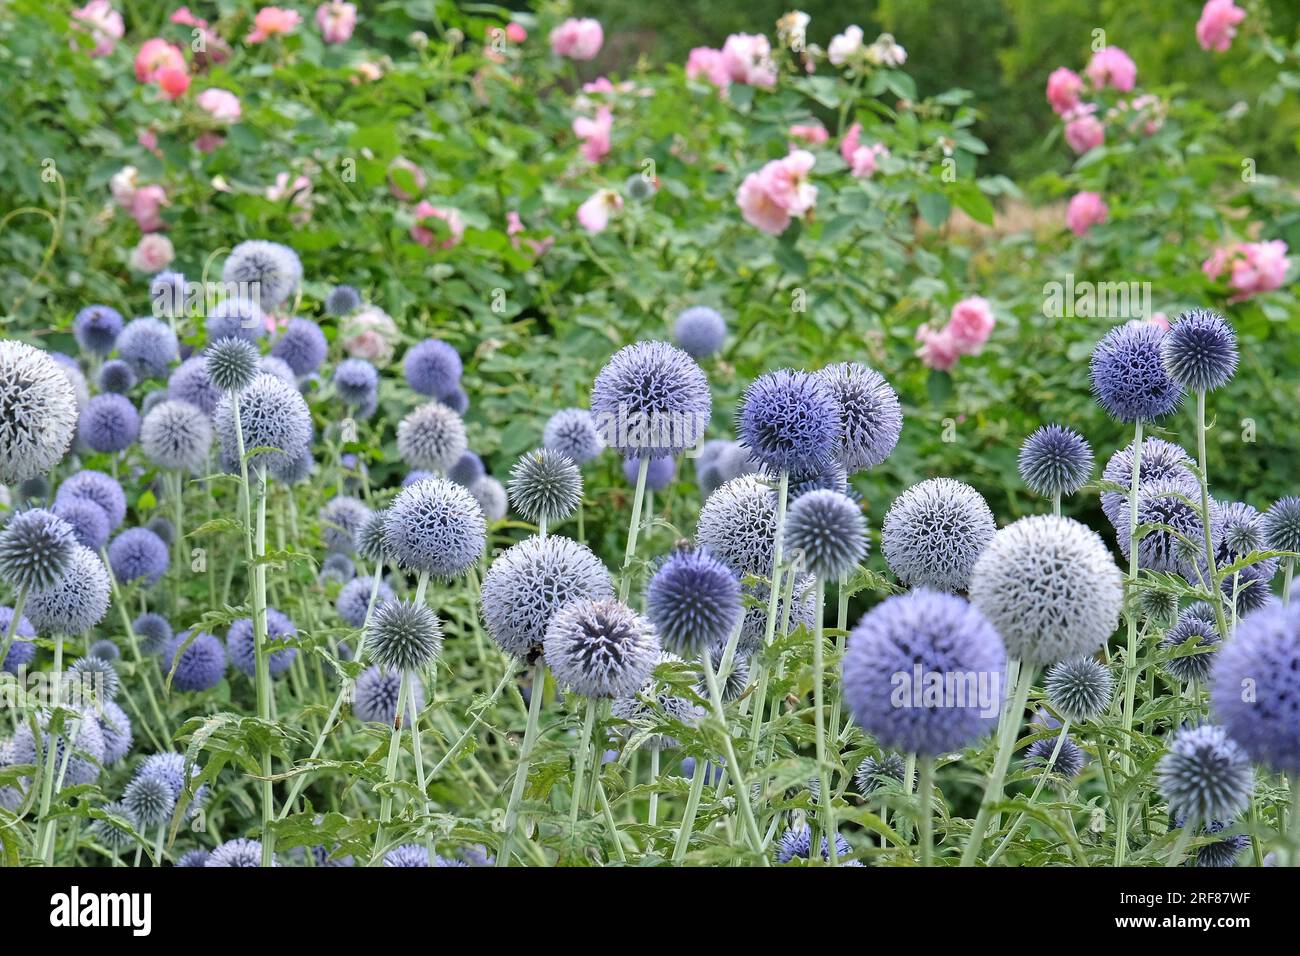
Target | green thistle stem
(525,758)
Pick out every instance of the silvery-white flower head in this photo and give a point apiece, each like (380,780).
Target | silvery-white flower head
(38,412)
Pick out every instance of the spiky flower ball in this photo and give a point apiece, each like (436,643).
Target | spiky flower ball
(1281,525)
(99,488)
(241,852)
(374,697)
(1195,631)
(796,844)
(150,801)
(827,528)
(241,650)
(117,377)
(340,520)
(870,416)
(83,760)
(1200,350)
(404,635)
(342,300)
(1205,775)
(196,858)
(36,549)
(149,346)
(109,423)
(700,331)
(803,612)
(600,648)
(236,317)
(115,727)
(153,632)
(491,497)
(1129,379)
(1256,687)
(571,431)
(368,542)
(738,524)
(872,773)
(1050,587)
(545,486)
(651,399)
(1069,762)
(431,437)
(104,649)
(76,602)
(736,680)
(467,470)
(189,382)
(111,834)
(200,666)
(1079,688)
(528,584)
(272,414)
(895,652)
(22,651)
(355,381)
(1177,542)
(1055,460)
(275,268)
(97,677)
(88,520)
(659,473)
(1243,529)
(354,599)
(231,364)
(1219,853)
(435,526)
(176,435)
(790,421)
(721,461)
(650,709)
(407,855)
(138,554)
(832,478)
(935,531)
(96,328)
(432,368)
(38,412)
(693,601)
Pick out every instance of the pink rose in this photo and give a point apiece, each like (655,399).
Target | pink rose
(148,139)
(1086,210)
(146,204)
(595,212)
(861,158)
(515,32)
(336,21)
(184,17)
(173,82)
(938,350)
(514,225)
(152,253)
(222,105)
(578,39)
(970,324)
(371,335)
(748,59)
(844,46)
(1084,131)
(1111,66)
(594,134)
(708,63)
(813,134)
(209,141)
(403,166)
(426,237)
(271,21)
(1218,25)
(1063,88)
(1261,267)
(156,55)
(769,198)
(103,22)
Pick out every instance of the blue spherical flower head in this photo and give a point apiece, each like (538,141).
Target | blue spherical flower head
(301,346)
(571,431)
(738,525)
(76,602)
(167,294)
(1129,378)
(150,801)
(83,761)
(88,520)
(935,531)
(138,554)
(117,377)
(240,647)
(601,649)
(432,437)
(21,652)
(38,411)
(1079,689)
(374,698)
(200,666)
(340,520)
(177,436)
(545,486)
(1205,774)
(457,400)
(113,835)
(36,549)
(432,368)
(1220,853)
(236,853)
(872,772)
(97,678)
(1176,544)
(109,423)
(369,540)
(659,473)
(153,632)
(467,470)
(693,600)
(491,497)
(272,414)
(651,399)
(231,365)
(189,382)
(1196,633)
(1200,350)
(700,331)
(408,854)
(1055,460)
(355,380)
(275,269)
(831,478)
(790,421)
(1069,762)
(96,328)
(115,727)
(1281,525)
(403,635)
(1161,460)
(342,300)
(104,649)
(719,462)
(149,346)
(435,526)
(796,844)
(337,569)
(870,415)
(900,666)
(196,858)
(1256,687)
(802,614)
(827,528)
(238,317)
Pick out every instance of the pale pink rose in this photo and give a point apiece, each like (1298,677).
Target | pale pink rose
(156,55)
(148,139)
(1063,88)
(578,39)
(813,134)
(601,84)
(222,105)
(514,225)
(123,184)
(864,161)
(708,63)
(152,253)
(368,72)
(1260,267)
(1212,267)
(371,335)
(748,59)
(850,141)
(595,212)
(103,22)
(1086,209)
(272,21)
(336,21)
(1218,25)
(758,208)
(970,324)
(426,236)
(403,165)
(1160,321)
(183,16)
(845,46)
(146,206)
(299,188)
(769,198)
(594,134)
(1146,114)
(1084,132)
(1111,66)
(209,141)
(515,32)
(938,350)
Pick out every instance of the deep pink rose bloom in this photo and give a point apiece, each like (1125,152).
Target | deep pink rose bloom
(938,350)
(708,63)
(156,55)
(748,59)
(1260,267)
(1218,25)
(426,236)
(515,33)
(780,191)
(813,134)
(594,134)
(336,21)
(1086,210)
(1084,132)
(146,207)
(1063,88)
(1111,66)
(970,324)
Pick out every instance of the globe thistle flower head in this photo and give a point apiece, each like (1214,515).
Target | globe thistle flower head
(738,525)
(1079,688)
(796,844)
(1220,853)
(1069,762)
(530,582)
(601,648)
(1281,525)
(149,346)
(96,676)
(162,528)
(32,490)
(571,431)
(96,328)
(231,364)
(189,382)
(1176,543)
(138,554)
(1050,587)
(467,470)
(699,331)
(355,381)
(340,520)
(432,368)
(435,526)
(109,423)
(870,415)
(337,569)
(1200,350)
(1157,605)
(1243,529)
(167,294)
(153,631)
(176,435)
(275,268)
(872,772)
(238,317)
(829,531)
(115,728)
(734,683)
(374,696)
(301,346)
(654,708)
(1194,631)
(457,400)
(117,377)
(659,472)
(274,365)
(196,858)
(111,834)
(1205,774)
(36,549)
(77,601)
(1255,688)
(934,532)
(831,478)
(236,853)
(342,300)
(104,649)
(38,412)
(651,399)
(431,437)
(408,854)
(1129,379)
(693,600)
(99,488)
(273,415)
(403,635)
(721,461)
(790,421)
(21,652)
(545,486)
(369,539)
(802,614)
(87,519)
(1055,460)
(150,801)
(200,666)
(354,599)
(241,650)
(923,633)
(491,497)
(83,760)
